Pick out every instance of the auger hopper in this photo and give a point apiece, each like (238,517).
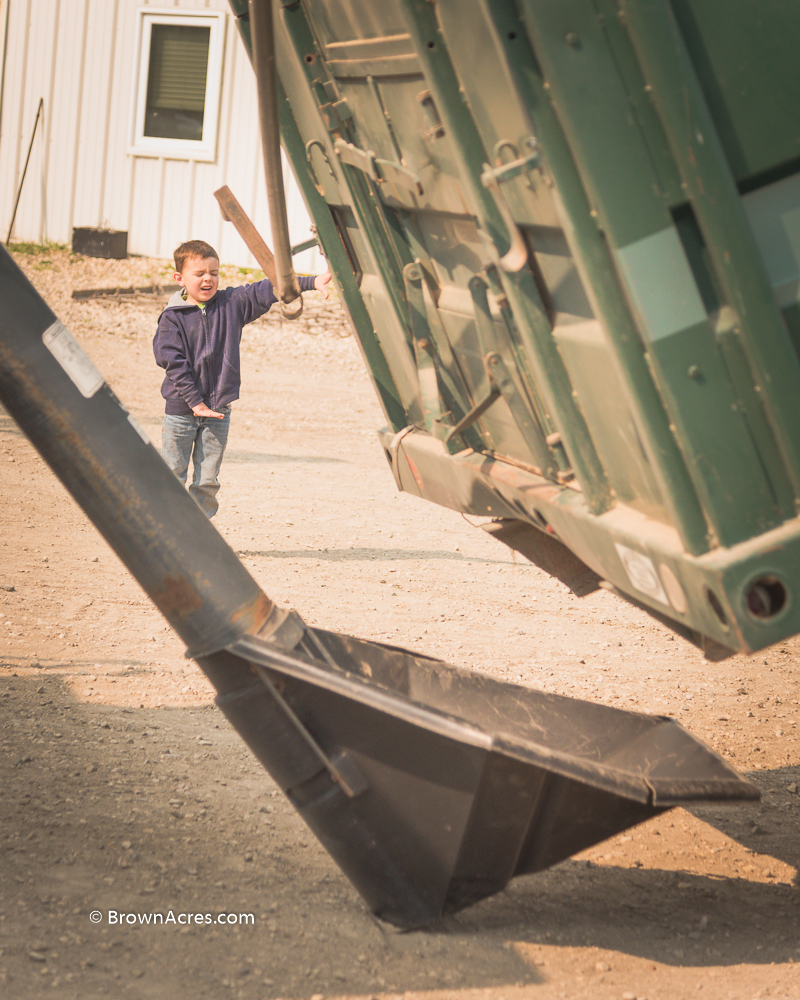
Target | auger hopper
(430,786)
(438,785)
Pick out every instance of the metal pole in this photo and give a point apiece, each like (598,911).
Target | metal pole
(25,169)
(262,31)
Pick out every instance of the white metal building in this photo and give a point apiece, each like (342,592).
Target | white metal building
(148,108)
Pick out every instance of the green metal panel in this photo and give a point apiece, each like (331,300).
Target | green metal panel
(569,238)
(745,57)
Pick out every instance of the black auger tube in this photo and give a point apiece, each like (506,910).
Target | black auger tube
(90,441)
(105,460)
(115,474)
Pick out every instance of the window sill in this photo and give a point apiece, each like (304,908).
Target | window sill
(174,151)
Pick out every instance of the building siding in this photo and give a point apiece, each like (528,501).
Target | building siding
(79,56)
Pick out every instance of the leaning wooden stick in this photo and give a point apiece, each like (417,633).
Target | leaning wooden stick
(233,212)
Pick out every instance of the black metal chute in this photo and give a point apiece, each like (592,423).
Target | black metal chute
(430,786)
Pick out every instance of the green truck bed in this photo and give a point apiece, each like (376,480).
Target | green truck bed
(568,237)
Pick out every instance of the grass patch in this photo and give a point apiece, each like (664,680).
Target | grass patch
(31,248)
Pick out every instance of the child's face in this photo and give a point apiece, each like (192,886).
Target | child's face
(200,278)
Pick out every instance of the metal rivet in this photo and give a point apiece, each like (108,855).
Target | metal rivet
(573,40)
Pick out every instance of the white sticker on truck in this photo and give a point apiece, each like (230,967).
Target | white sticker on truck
(642,573)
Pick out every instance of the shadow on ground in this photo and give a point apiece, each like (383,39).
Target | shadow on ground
(110,809)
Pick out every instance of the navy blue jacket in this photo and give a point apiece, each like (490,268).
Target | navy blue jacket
(200,348)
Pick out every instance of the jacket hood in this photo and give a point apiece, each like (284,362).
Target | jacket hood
(177,301)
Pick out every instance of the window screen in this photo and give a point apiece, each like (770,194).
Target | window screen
(176,82)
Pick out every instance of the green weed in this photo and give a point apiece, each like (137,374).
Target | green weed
(30,248)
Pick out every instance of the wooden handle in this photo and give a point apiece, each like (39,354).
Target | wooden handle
(233,212)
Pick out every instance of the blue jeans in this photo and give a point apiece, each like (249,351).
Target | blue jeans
(202,439)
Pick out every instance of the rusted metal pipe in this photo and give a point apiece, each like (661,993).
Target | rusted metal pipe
(262,31)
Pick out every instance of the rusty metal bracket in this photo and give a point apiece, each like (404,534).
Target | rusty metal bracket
(397,175)
(335,113)
(435,128)
(492,177)
(394,453)
(305,245)
(361,159)
(524,416)
(309,146)
(516,257)
(476,412)
(378,170)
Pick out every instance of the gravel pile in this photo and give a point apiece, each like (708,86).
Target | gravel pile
(57,273)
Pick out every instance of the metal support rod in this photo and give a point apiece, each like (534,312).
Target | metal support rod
(365,203)
(474,414)
(262,30)
(333,248)
(25,169)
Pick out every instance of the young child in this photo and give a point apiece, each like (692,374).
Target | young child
(197,343)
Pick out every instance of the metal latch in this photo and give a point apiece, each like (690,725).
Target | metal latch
(379,170)
(508,171)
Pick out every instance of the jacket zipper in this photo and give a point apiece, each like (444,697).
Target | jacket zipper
(212,402)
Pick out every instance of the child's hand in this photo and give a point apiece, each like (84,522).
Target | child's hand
(322,281)
(201,410)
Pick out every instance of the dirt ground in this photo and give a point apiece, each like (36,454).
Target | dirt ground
(126,792)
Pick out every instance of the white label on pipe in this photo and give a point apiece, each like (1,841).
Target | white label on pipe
(73,359)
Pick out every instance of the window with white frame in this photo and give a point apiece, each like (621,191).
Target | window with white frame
(177,83)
